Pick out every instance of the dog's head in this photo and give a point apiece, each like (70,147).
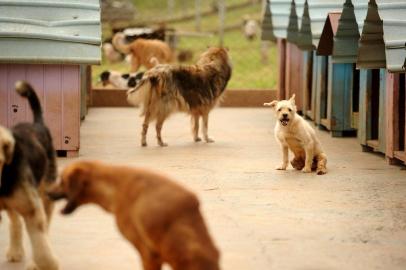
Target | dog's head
(285,110)
(134,79)
(74,186)
(7,144)
(105,77)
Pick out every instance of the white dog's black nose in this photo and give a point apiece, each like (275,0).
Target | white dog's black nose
(285,115)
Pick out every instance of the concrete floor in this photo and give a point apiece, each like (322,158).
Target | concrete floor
(352,218)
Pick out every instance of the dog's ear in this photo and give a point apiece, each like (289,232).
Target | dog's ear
(271,104)
(292,99)
(76,186)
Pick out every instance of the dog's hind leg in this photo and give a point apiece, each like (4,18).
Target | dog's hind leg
(145,129)
(15,252)
(135,64)
(321,164)
(205,117)
(159,123)
(195,127)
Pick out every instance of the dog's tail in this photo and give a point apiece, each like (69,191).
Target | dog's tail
(154,61)
(119,43)
(24,89)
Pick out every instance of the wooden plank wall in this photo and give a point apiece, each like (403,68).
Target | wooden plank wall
(395,152)
(307,71)
(340,93)
(294,74)
(58,88)
(368,90)
(281,43)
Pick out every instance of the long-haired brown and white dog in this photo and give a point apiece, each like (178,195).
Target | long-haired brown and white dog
(146,52)
(194,89)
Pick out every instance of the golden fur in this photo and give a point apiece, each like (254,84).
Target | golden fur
(146,52)
(160,218)
(194,89)
(294,133)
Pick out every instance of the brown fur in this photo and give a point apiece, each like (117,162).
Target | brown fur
(144,52)
(194,89)
(160,218)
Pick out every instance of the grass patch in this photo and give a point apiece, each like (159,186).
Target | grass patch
(248,70)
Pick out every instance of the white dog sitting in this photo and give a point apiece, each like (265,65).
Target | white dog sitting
(294,133)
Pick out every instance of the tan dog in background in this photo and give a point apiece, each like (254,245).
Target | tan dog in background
(146,52)
(160,218)
(294,133)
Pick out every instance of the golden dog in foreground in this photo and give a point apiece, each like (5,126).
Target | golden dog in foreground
(160,218)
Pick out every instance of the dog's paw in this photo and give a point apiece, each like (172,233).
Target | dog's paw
(208,140)
(15,254)
(307,170)
(321,171)
(281,167)
(31,266)
(162,144)
(197,139)
(144,144)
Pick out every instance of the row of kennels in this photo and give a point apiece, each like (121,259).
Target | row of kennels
(345,61)
(51,45)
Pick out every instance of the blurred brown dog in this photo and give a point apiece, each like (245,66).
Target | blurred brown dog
(159,217)
(144,52)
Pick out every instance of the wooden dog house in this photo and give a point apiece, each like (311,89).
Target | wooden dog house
(381,58)
(315,83)
(47,44)
(339,41)
(372,62)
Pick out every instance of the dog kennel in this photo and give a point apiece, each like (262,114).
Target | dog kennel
(339,41)
(372,62)
(49,45)
(315,80)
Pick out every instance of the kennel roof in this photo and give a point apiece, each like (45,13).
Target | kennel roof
(44,31)
(383,38)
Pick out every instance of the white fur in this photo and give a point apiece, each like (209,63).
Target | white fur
(295,134)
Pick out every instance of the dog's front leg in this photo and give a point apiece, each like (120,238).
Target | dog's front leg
(159,123)
(285,161)
(309,149)
(15,252)
(206,128)
(145,129)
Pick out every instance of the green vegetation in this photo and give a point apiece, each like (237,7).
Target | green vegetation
(249,72)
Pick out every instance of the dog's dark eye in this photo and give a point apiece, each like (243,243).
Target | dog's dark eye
(290,109)
(280,110)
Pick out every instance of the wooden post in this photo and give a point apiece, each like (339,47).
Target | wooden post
(222,11)
(307,82)
(281,43)
(171,7)
(198,15)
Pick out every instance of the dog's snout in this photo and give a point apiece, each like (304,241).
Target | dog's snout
(285,115)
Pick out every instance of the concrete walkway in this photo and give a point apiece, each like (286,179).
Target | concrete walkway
(352,218)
